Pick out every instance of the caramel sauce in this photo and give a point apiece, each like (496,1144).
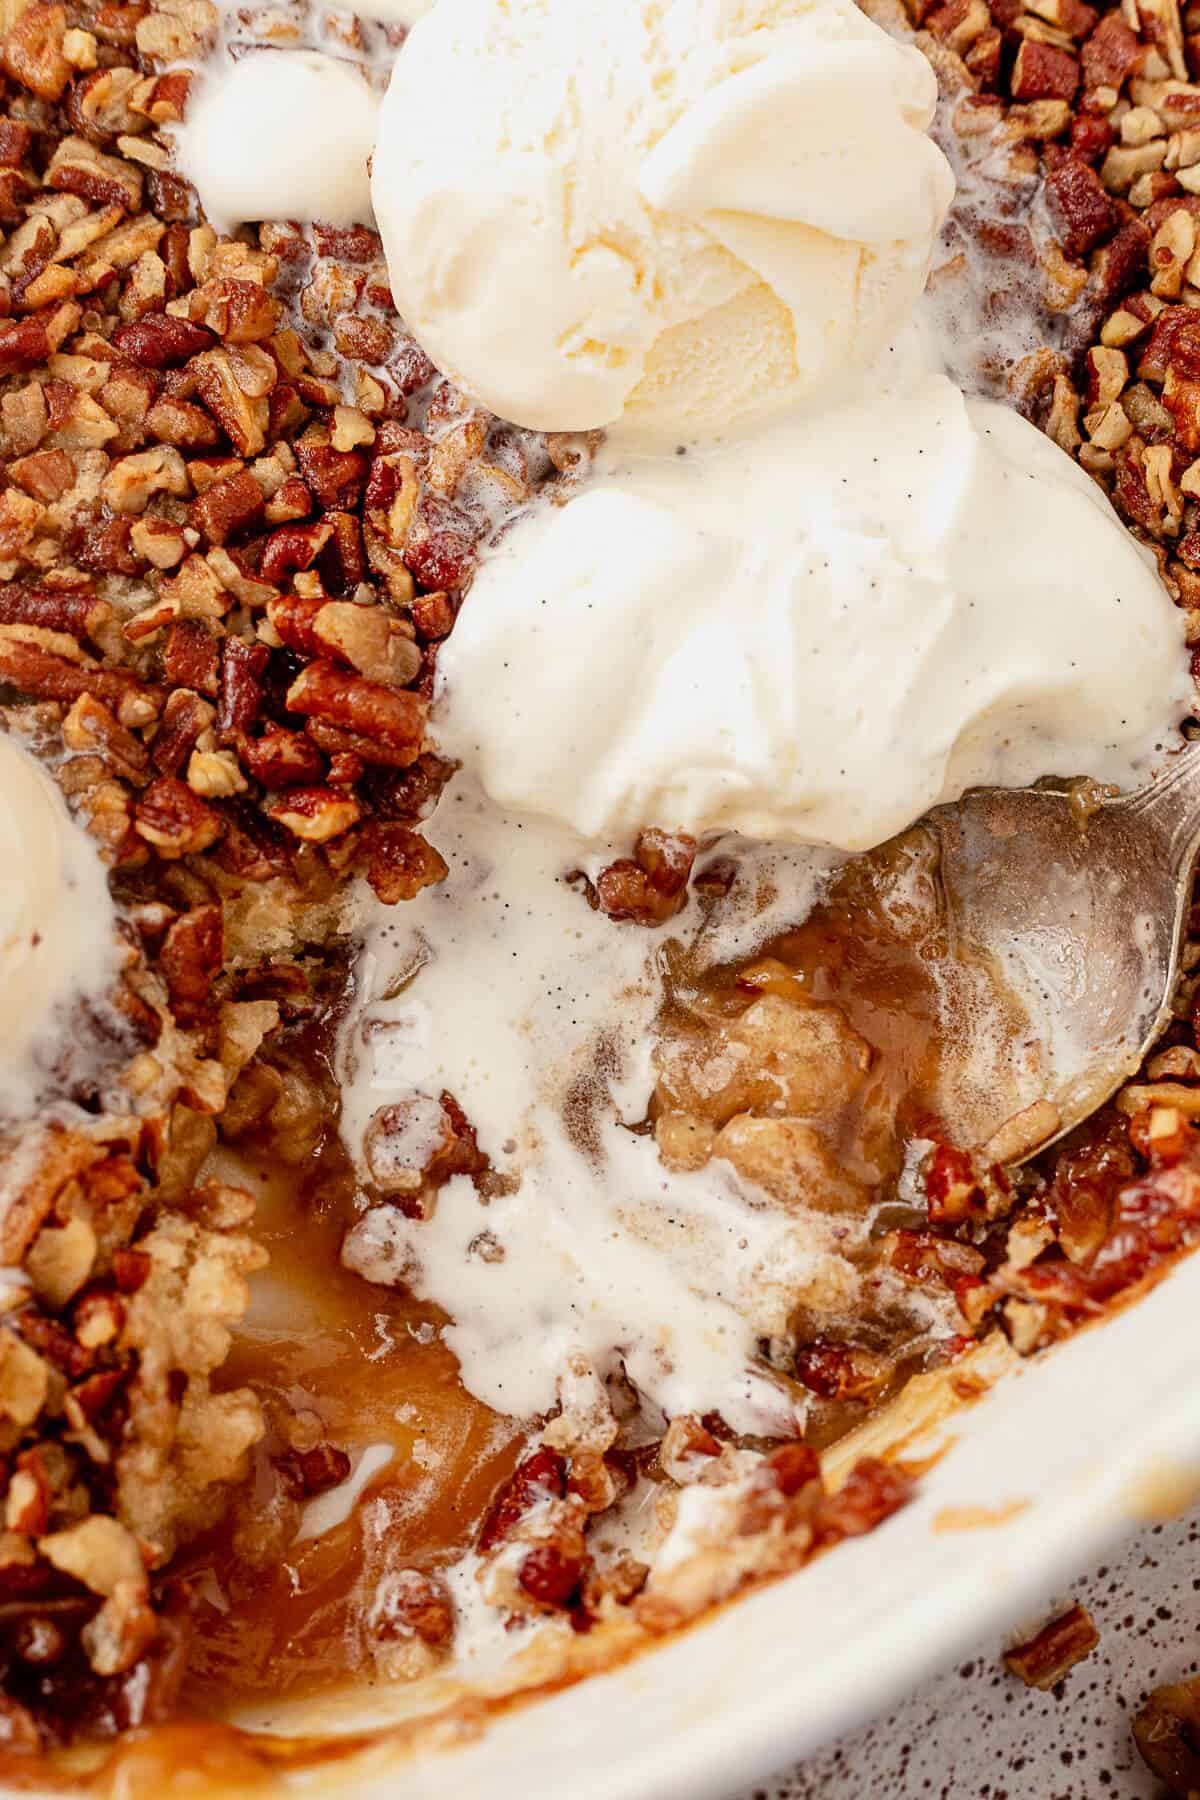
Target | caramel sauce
(872,949)
(364,1365)
(360,1366)
(876,948)
(337,1361)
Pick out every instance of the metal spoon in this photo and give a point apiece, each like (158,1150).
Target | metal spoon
(1081,919)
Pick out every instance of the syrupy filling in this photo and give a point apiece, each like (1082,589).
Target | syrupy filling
(354,1381)
(377,1460)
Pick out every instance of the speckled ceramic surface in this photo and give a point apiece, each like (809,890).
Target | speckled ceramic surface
(974,1733)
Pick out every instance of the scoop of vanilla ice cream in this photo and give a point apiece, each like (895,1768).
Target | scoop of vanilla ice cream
(817,633)
(57,923)
(685,213)
(280,135)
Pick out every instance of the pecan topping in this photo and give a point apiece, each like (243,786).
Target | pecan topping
(1045,1659)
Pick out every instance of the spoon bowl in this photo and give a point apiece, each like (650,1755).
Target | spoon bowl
(1077,916)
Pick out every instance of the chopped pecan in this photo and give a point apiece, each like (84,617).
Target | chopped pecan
(872,1491)
(23,345)
(79,611)
(365,708)
(433,615)
(228,507)
(129,484)
(192,655)
(1081,210)
(552,1575)
(52,677)
(1042,1661)
(542,1475)
(1167,1733)
(400,862)
(412,1604)
(1111,53)
(33,52)
(240,697)
(163,341)
(953,1190)
(369,340)
(440,547)
(161,544)
(239,312)
(651,887)
(190,959)
(293,548)
(15,140)
(840,1371)
(174,820)
(336,477)
(91,726)
(281,758)
(242,419)
(46,474)
(368,638)
(314,814)
(1043,72)
(78,167)
(315,1471)
(337,742)
(178,422)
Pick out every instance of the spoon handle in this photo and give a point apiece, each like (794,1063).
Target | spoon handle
(1170,807)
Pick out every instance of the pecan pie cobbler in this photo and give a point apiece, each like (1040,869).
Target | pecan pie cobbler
(272,1420)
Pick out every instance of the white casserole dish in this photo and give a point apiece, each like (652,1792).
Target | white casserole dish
(1065,1452)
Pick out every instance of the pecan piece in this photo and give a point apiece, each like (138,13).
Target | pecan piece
(336,477)
(552,1575)
(316,815)
(1043,72)
(33,51)
(347,745)
(190,959)
(47,474)
(51,677)
(161,341)
(1045,1659)
(191,657)
(1111,53)
(79,611)
(652,887)
(872,1491)
(229,506)
(412,1604)
(239,312)
(15,140)
(91,726)
(23,345)
(77,167)
(293,548)
(542,1475)
(281,758)
(240,698)
(1167,1734)
(365,708)
(370,639)
(242,419)
(1080,208)
(174,820)
(400,862)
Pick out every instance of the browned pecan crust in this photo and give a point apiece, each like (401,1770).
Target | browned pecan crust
(237,509)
